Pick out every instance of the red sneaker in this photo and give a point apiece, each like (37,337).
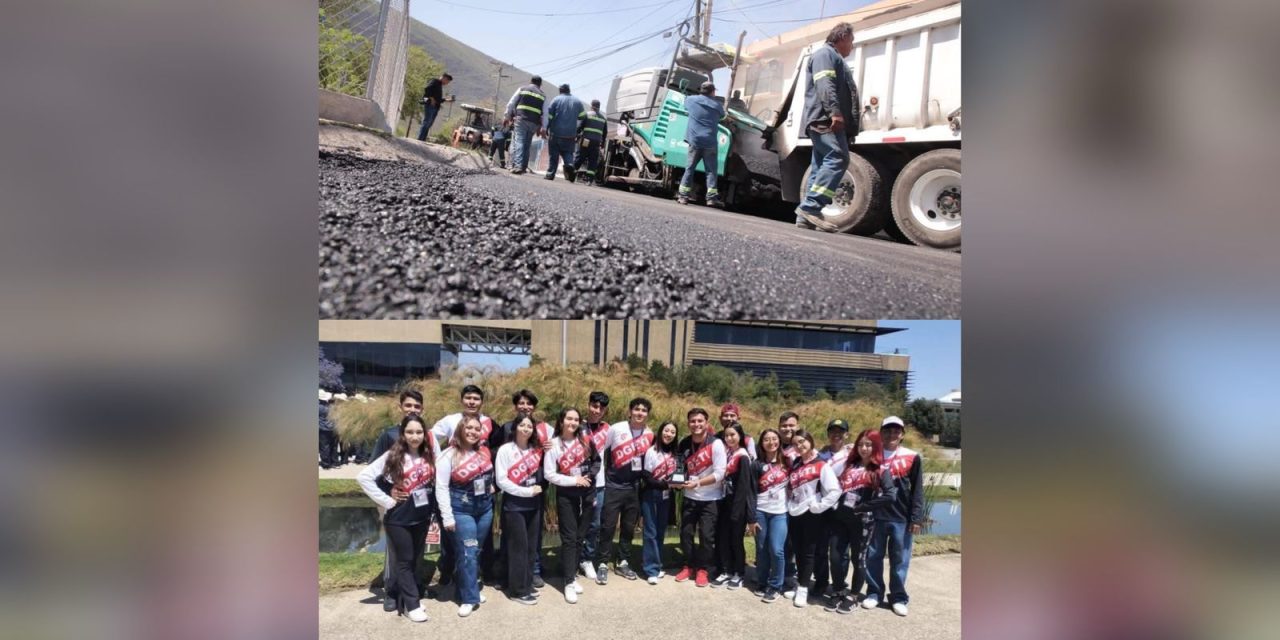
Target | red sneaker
(683,575)
(702,578)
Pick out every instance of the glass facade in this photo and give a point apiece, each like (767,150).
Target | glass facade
(783,337)
(382,366)
(811,379)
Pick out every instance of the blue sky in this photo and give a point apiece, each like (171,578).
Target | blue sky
(557,46)
(934,347)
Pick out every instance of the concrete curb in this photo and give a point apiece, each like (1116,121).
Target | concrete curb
(374,144)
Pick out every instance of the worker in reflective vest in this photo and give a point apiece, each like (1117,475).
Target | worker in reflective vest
(591,127)
(525,109)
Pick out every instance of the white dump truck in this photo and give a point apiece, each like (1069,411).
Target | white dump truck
(904,170)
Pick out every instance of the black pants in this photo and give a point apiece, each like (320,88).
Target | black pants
(624,503)
(731,557)
(519,535)
(700,516)
(575,512)
(408,543)
(589,156)
(821,553)
(499,148)
(807,535)
(850,536)
(328,448)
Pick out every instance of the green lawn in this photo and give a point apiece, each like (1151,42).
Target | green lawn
(339,487)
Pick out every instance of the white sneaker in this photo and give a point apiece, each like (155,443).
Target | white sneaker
(482,599)
(900,608)
(662,574)
(465,610)
(802,597)
(588,570)
(870,602)
(570,595)
(417,615)
(653,579)
(576,587)
(789,594)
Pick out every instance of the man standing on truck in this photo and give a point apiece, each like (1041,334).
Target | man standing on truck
(432,96)
(591,128)
(561,126)
(830,119)
(525,108)
(705,113)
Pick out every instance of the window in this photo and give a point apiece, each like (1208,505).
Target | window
(382,366)
(786,338)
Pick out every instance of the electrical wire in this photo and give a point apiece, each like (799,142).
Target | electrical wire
(607,39)
(546,14)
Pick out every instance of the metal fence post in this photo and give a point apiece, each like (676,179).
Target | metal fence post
(377,49)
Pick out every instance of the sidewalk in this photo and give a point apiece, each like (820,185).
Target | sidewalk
(634,609)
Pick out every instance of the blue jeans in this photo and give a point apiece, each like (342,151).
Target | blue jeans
(472,516)
(428,118)
(654,510)
(897,539)
(709,164)
(770,541)
(561,149)
(521,136)
(593,531)
(830,159)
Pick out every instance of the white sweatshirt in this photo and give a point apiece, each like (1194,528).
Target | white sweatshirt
(443,430)
(814,487)
(368,479)
(771,489)
(508,455)
(715,490)
(444,479)
(551,464)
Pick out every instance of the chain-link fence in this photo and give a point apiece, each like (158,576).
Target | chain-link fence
(363,50)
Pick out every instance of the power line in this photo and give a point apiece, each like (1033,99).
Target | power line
(546,14)
(610,37)
(623,47)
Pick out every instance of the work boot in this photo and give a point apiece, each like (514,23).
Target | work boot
(714,201)
(815,218)
(682,199)
(550,176)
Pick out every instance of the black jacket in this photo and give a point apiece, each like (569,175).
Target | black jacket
(740,492)
(388,438)
(433,94)
(909,504)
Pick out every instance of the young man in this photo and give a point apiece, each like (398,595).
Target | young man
(525,402)
(625,446)
(831,120)
(472,400)
(704,460)
(729,413)
(591,128)
(702,134)
(596,428)
(410,405)
(896,522)
(525,110)
(561,126)
(432,96)
(835,453)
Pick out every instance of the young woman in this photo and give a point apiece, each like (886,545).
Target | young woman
(825,580)
(571,464)
(865,485)
(519,470)
(464,489)
(736,509)
(814,489)
(400,480)
(655,499)
(770,525)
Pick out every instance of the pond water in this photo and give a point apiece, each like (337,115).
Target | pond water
(351,525)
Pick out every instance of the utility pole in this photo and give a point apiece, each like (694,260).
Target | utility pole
(822,13)
(706,32)
(697,20)
(497,91)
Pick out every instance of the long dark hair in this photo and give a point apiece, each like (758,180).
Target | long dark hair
(742,435)
(778,458)
(560,422)
(667,448)
(395,455)
(535,439)
(807,437)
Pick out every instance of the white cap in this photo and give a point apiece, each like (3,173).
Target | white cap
(325,395)
(892,420)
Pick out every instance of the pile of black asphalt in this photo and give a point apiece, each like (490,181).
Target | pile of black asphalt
(413,240)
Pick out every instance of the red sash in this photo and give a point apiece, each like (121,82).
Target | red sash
(900,466)
(806,473)
(420,474)
(486,427)
(732,467)
(634,447)
(599,436)
(572,456)
(526,466)
(665,468)
(544,432)
(855,478)
(476,465)
(790,453)
(775,476)
(701,459)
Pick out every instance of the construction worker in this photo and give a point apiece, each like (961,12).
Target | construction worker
(525,109)
(705,113)
(561,126)
(432,96)
(591,127)
(831,119)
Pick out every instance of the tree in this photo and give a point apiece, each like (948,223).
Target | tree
(871,392)
(344,57)
(420,70)
(330,374)
(926,416)
(951,431)
(635,362)
(791,390)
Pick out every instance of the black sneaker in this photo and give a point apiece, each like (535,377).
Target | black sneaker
(847,605)
(831,603)
(735,582)
(720,580)
(758,591)
(602,574)
(538,582)
(625,571)
(526,599)
(769,595)
(389,604)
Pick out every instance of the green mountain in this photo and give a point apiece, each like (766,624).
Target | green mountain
(474,79)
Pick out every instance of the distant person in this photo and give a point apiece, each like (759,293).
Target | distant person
(328,437)
(498,143)
(561,126)
(897,522)
(655,500)
(432,97)
(830,119)
(525,111)
(572,464)
(592,126)
(867,486)
(402,482)
(410,404)
(702,133)
(729,414)
(464,490)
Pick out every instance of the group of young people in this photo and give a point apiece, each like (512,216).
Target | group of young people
(814,511)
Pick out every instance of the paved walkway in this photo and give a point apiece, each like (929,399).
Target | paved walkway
(626,609)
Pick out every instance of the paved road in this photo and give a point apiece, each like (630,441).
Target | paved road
(635,610)
(403,240)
